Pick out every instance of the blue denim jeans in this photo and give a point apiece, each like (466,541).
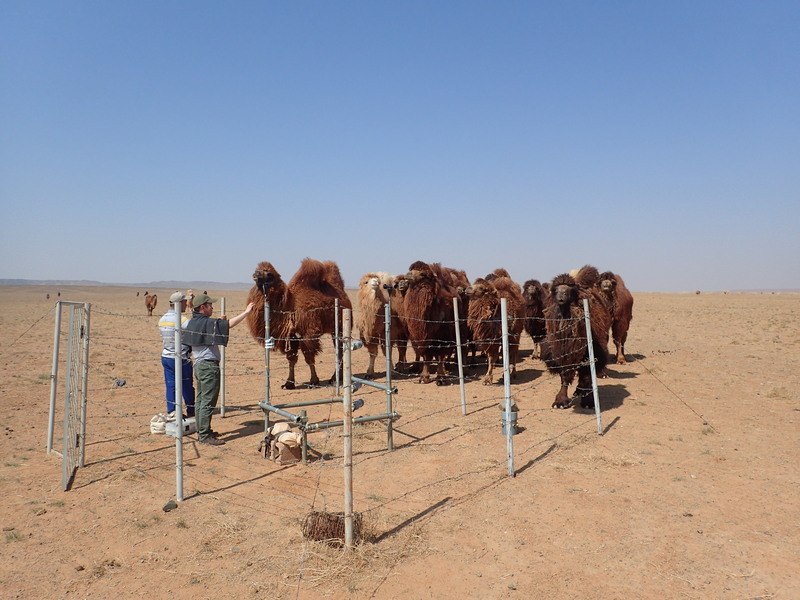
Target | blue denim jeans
(187,386)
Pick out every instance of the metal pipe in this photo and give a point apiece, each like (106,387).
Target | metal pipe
(179,403)
(221,369)
(374,384)
(84,382)
(347,433)
(507,388)
(337,344)
(285,414)
(54,380)
(459,356)
(387,322)
(595,395)
(308,403)
(364,419)
(267,348)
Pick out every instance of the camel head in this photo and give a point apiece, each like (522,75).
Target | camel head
(481,288)
(420,272)
(265,276)
(608,282)
(564,290)
(401,284)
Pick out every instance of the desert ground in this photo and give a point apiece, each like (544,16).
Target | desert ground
(691,492)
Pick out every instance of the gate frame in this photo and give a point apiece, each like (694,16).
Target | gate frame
(82,363)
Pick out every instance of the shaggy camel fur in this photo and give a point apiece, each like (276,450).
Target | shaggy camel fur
(427,311)
(565,349)
(620,301)
(485,323)
(533,293)
(300,312)
(374,292)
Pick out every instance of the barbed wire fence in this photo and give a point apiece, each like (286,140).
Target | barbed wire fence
(133,358)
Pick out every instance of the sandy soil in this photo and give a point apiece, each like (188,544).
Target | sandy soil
(692,491)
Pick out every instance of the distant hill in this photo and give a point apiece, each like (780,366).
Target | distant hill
(217,285)
(177,285)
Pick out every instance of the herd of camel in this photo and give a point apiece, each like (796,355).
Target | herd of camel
(422,306)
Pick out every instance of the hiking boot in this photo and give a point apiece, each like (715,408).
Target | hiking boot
(212,441)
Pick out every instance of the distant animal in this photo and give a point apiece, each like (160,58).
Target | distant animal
(427,311)
(564,349)
(620,302)
(485,320)
(374,293)
(190,300)
(300,312)
(48,296)
(150,301)
(533,294)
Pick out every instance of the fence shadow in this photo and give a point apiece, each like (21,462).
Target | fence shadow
(535,460)
(410,520)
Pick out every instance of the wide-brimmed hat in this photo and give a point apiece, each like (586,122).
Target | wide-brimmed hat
(177,297)
(204,299)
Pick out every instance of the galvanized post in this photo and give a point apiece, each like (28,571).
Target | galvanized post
(84,383)
(387,319)
(179,403)
(222,369)
(595,395)
(267,344)
(54,380)
(508,422)
(460,357)
(337,344)
(347,432)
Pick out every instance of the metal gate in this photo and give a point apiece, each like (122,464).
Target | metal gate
(76,365)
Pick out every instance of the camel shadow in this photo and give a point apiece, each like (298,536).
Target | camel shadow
(609,374)
(611,397)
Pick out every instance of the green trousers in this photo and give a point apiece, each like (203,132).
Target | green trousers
(207,377)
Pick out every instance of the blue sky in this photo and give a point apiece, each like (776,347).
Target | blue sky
(144,141)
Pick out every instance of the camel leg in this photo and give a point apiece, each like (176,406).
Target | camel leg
(562,397)
(488,379)
(441,373)
(310,358)
(425,374)
(371,368)
(584,389)
(292,358)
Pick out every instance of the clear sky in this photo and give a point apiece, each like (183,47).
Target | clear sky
(190,140)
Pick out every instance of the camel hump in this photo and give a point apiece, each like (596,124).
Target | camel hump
(318,275)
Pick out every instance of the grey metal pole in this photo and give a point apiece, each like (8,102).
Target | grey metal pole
(54,380)
(460,357)
(507,388)
(347,433)
(178,404)
(337,344)
(222,369)
(595,395)
(387,320)
(84,382)
(68,442)
(267,344)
